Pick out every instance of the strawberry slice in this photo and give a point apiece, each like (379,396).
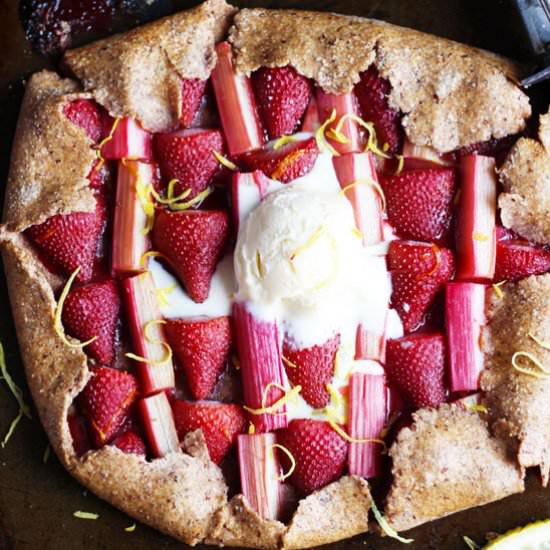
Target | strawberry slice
(187,155)
(193,242)
(131,443)
(416,365)
(285,164)
(105,401)
(418,271)
(71,240)
(78,428)
(320,453)
(517,259)
(220,423)
(312,368)
(93,311)
(201,347)
(420,202)
(192,92)
(282,97)
(85,113)
(373,91)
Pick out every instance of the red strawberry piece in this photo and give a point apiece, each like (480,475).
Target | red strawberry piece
(420,202)
(416,364)
(418,271)
(282,96)
(494,147)
(130,442)
(93,311)
(105,401)
(285,164)
(71,240)
(201,347)
(78,427)
(320,453)
(312,368)
(517,259)
(192,91)
(373,91)
(85,113)
(220,423)
(188,156)
(505,234)
(193,242)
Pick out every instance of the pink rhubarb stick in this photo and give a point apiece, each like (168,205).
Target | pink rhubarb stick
(128,140)
(259,350)
(259,468)
(149,341)
(129,239)
(311,121)
(464,316)
(367,418)
(476,219)
(158,424)
(236,105)
(342,104)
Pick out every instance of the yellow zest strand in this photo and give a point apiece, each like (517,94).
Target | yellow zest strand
(543,345)
(544,372)
(400,164)
(369,183)
(385,526)
(260,265)
(470,543)
(338,136)
(104,141)
(46,454)
(290,457)
(164,292)
(480,237)
(283,140)
(322,143)
(372,144)
(144,194)
(344,435)
(314,237)
(272,409)
(356,233)
(57,324)
(130,528)
(150,254)
(436,252)
(170,199)
(251,428)
(85,515)
(179,206)
(224,161)
(475,407)
(289,363)
(498,291)
(151,340)
(338,365)
(336,404)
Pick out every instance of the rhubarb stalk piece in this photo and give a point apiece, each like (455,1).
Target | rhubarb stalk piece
(154,356)
(341,104)
(130,239)
(260,471)
(311,121)
(367,418)
(262,371)
(421,157)
(127,140)
(158,424)
(464,316)
(476,219)
(236,105)
(247,191)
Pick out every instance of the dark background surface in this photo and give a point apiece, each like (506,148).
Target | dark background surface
(37,499)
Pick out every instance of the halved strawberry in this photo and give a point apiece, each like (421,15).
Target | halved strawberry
(373,91)
(201,347)
(78,428)
(285,164)
(85,113)
(517,259)
(220,423)
(192,90)
(320,453)
(188,156)
(312,368)
(193,242)
(93,311)
(71,240)
(282,96)
(418,271)
(420,202)
(130,442)
(105,401)
(416,365)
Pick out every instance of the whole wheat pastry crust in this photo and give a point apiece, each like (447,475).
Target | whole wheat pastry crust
(135,74)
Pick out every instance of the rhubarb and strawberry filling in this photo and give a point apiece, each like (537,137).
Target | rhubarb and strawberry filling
(284,271)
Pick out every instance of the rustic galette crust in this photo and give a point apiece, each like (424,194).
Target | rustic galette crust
(447,462)
(451,95)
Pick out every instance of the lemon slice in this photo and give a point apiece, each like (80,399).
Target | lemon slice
(534,536)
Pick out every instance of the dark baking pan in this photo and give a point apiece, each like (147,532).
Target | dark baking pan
(37,498)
